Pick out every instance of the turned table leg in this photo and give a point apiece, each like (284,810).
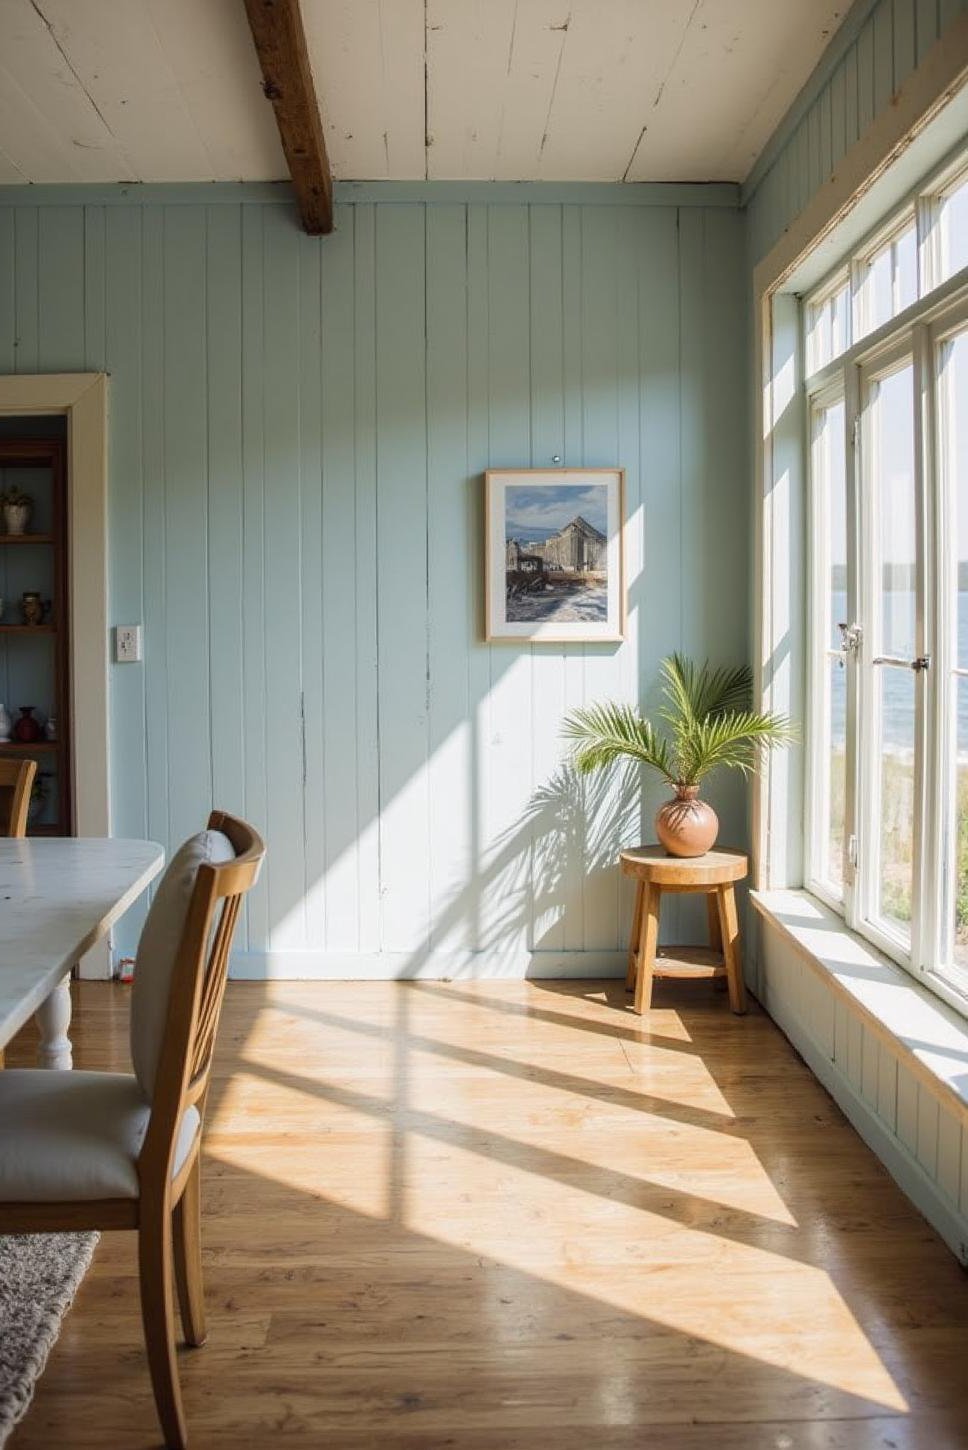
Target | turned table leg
(53,1020)
(729,923)
(648,942)
(630,971)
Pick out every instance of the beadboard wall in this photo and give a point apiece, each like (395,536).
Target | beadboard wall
(298,429)
(879,45)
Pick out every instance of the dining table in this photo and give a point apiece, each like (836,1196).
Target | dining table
(58,897)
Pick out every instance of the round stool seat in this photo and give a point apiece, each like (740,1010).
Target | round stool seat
(715,868)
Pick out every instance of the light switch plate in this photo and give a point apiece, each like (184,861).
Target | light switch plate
(127,643)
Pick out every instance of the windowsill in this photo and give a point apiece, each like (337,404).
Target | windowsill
(920,1028)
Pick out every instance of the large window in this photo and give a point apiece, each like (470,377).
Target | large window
(886,349)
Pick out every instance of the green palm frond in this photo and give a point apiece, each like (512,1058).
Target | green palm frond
(710,724)
(735,740)
(606,733)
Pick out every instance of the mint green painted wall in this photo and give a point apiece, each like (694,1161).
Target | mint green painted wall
(298,430)
(880,43)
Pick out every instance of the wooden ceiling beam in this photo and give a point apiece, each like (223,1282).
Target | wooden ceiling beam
(287,81)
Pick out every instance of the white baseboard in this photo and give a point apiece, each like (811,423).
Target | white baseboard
(440,966)
(903,1167)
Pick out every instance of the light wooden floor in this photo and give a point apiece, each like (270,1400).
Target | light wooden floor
(511,1216)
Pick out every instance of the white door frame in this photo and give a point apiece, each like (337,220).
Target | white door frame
(82,399)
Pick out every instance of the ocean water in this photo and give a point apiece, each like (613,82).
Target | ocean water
(899,686)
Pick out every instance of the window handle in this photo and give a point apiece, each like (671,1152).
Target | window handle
(919,665)
(850,635)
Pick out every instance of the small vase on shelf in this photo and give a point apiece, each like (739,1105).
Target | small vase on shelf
(50,729)
(27,728)
(5,723)
(31,607)
(16,511)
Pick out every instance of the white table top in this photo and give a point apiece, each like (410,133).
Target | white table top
(57,898)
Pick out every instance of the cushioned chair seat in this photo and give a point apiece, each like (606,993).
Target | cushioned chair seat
(75,1135)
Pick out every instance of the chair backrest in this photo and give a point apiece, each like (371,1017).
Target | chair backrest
(16,779)
(182,963)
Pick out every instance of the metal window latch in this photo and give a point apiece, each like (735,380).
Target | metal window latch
(919,665)
(850,635)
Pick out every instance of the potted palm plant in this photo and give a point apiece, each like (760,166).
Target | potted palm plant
(709,723)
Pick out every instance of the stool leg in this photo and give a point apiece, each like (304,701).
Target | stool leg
(715,933)
(734,963)
(634,938)
(648,941)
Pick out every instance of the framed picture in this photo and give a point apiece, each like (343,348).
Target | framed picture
(555,557)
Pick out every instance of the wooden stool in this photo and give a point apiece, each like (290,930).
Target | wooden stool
(713,875)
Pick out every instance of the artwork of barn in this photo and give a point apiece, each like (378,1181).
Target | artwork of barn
(560,539)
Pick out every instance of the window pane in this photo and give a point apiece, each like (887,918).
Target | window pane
(833,863)
(879,290)
(953,448)
(954,231)
(895,804)
(829,740)
(906,269)
(828,328)
(958,889)
(893,450)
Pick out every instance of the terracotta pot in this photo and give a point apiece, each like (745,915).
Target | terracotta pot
(686,825)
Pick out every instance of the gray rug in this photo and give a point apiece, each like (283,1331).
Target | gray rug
(39,1275)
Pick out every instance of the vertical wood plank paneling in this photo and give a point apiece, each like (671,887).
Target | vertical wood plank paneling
(883,55)
(572,873)
(926,26)
(948,1170)
(927,1149)
(185,523)
(602,285)
(123,358)
(838,115)
(402,582)
(95,288)
(887,1089)
(339,555)
(865,77)
(254,699)
(8,289)
(367,657)
(226,585)
(948,11)
(905,44)
(851,104)
(153,541)
(547,706)
(870,1067)
(312,610)
(507,782)
(478,458)
(907,1109)
(60,288)
(285,818)
(450,565)
(27,294)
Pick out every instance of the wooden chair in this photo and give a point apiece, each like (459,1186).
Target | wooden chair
(97,1150)
(16,780)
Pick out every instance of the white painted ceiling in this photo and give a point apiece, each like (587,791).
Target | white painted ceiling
(594,90)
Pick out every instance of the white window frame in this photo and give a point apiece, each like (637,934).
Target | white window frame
(914,337)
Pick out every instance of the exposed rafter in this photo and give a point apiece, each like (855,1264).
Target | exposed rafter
(287,80)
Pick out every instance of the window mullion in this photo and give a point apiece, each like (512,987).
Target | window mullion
(926,881)
(852,423)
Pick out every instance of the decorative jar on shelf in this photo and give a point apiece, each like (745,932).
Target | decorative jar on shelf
(27,728)
(31,607)
(5,723)
(16,511)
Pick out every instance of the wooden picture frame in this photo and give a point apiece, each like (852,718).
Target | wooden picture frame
(554,555)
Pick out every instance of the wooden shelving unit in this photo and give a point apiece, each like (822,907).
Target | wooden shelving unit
(53,756)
